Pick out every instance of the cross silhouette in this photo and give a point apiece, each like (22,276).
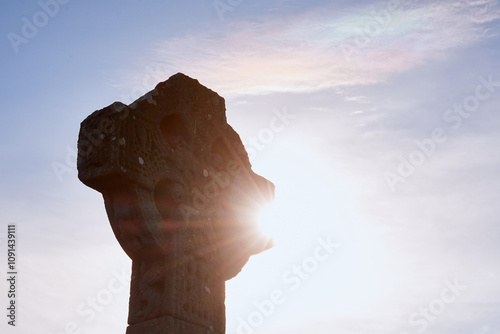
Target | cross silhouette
(181,198)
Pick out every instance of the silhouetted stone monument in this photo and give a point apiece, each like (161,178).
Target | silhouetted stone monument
(180,196)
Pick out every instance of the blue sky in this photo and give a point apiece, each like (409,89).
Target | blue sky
(389,150)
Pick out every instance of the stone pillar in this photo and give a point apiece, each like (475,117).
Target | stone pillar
(180,196)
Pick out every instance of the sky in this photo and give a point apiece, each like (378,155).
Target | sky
(376,120)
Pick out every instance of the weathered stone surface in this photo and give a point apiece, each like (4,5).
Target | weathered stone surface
(180,196)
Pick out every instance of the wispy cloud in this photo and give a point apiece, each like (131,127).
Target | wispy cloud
(326,47)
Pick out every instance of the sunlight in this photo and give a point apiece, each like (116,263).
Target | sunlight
(311,202)
(267,216)
(306,194)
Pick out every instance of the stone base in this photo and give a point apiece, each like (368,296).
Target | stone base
(169,325)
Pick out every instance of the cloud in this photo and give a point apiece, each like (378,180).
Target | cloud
(326,47)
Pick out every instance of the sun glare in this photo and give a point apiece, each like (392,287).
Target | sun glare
(313,202)
(305,195)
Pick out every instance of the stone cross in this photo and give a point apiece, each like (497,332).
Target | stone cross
(181,198)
